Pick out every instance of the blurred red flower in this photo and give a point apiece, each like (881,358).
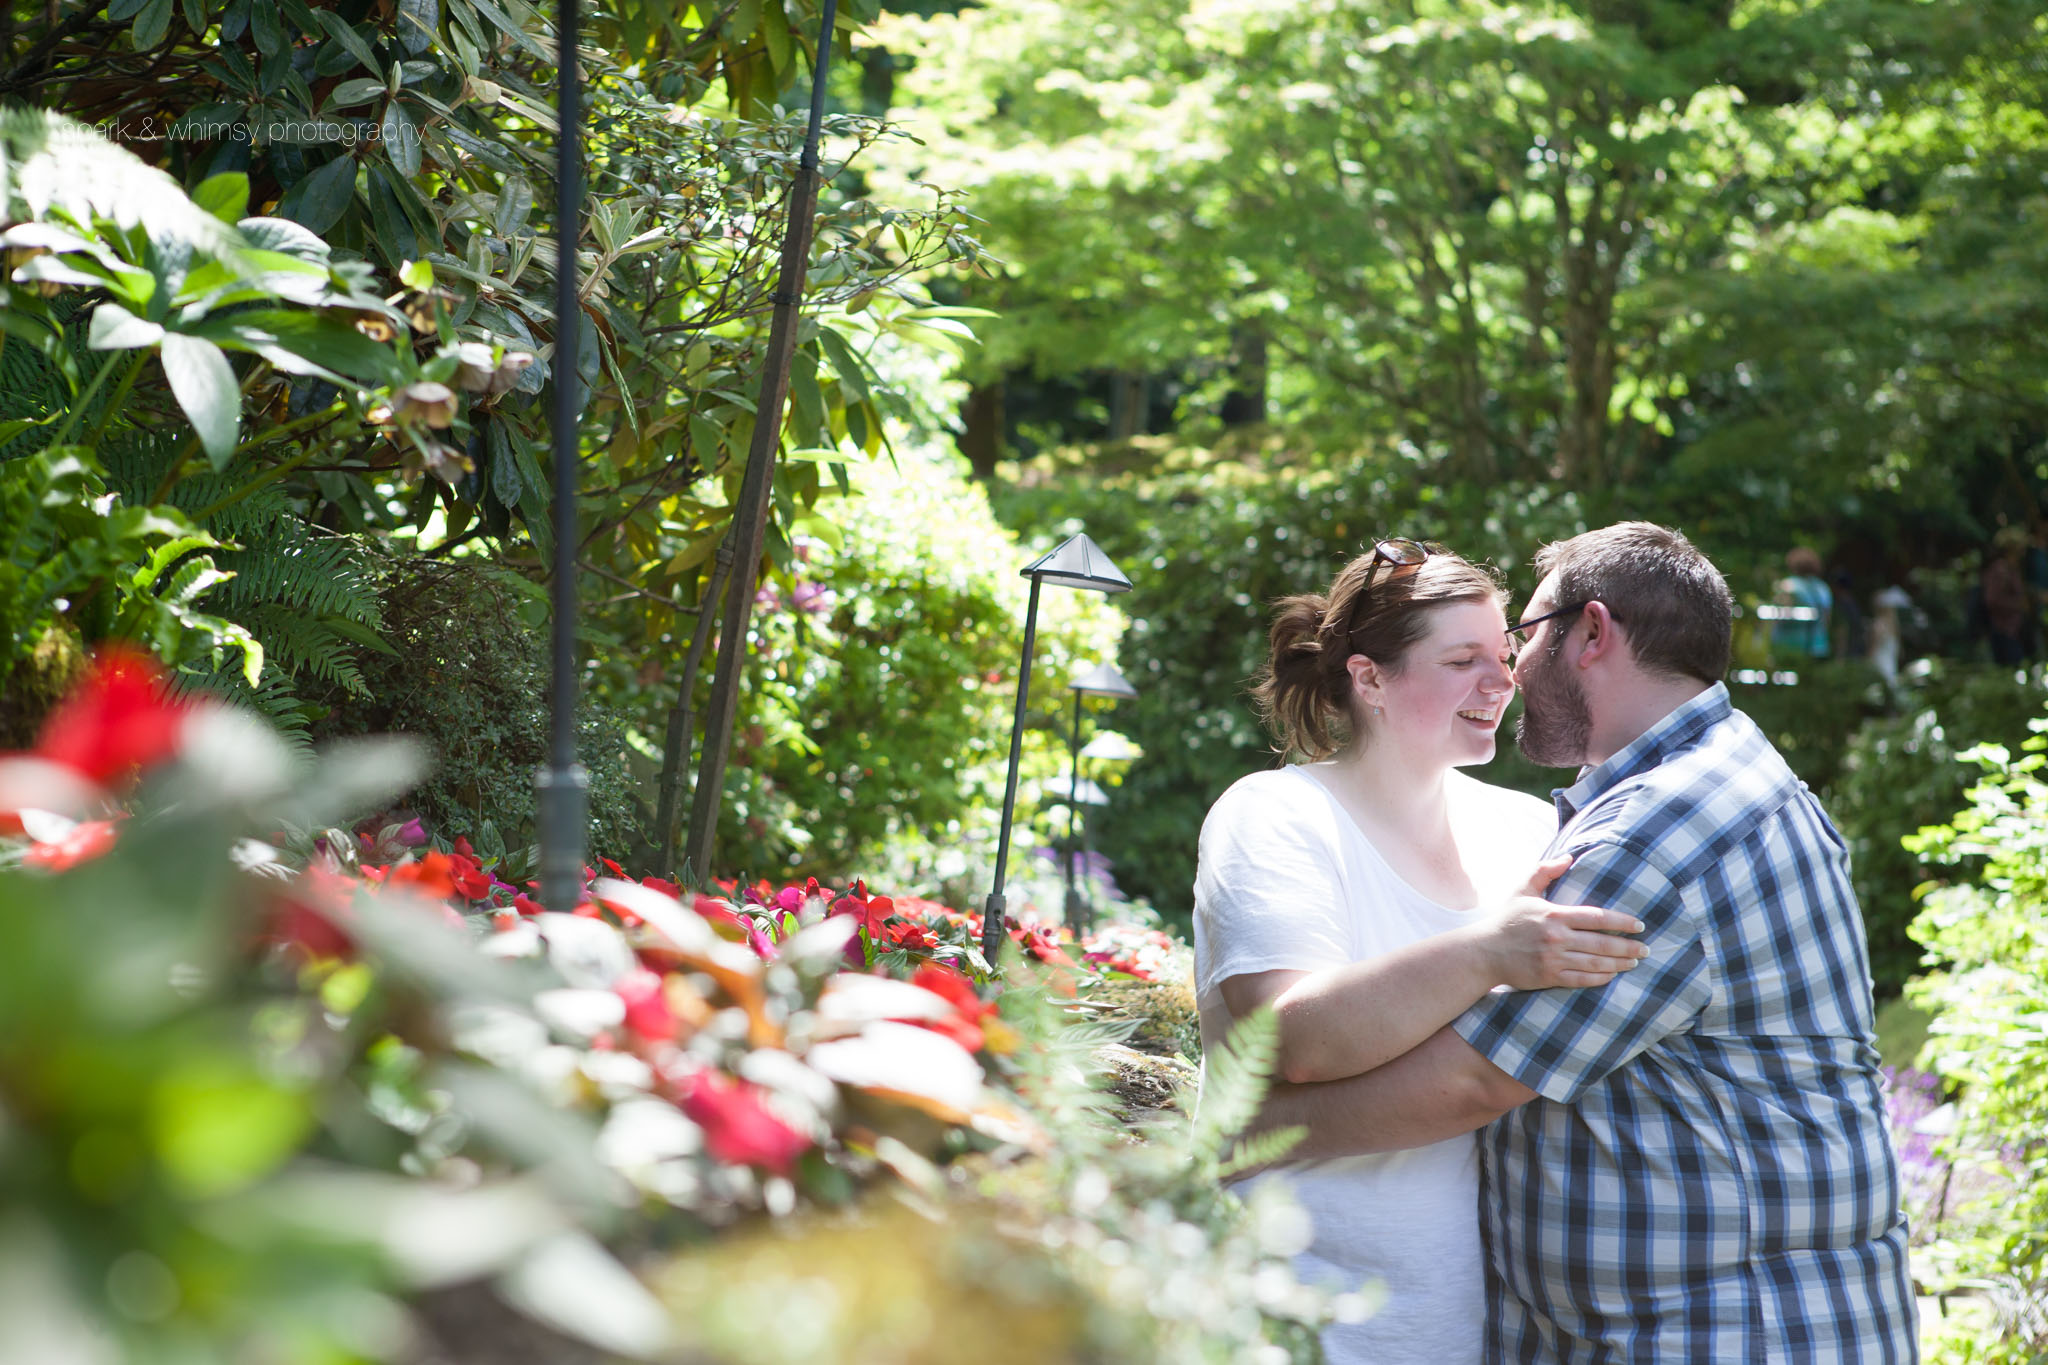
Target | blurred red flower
(120,718)
(738,1126)
(81,843)
(647,1011)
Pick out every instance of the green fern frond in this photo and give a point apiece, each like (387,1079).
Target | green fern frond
(1235,1079)
(305,647)
(275,700)
(1261,1149)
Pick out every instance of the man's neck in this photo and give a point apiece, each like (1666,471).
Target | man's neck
(1632,711)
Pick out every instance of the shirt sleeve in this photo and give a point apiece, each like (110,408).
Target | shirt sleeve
(1268,890)
(1561,1042)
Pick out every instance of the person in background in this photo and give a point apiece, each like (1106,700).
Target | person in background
(2003,607)
(1803,586)
(1887,633)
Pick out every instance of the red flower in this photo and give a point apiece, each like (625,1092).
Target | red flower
(647,1011)
(311,915)
(964,1025)
(738,1127)
(433,875)
(792,898)
(720,913)
(122,717)
(469,876)
(527,905)
(81,843)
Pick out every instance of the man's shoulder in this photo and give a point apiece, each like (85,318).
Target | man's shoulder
(1707,794)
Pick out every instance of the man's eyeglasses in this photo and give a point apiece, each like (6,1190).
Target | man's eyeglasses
(1521,627)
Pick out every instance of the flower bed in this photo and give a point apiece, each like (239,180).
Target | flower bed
(288,1049)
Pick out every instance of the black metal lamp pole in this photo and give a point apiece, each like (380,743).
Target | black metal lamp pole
(1079,563)
(1101,681)
(562,789)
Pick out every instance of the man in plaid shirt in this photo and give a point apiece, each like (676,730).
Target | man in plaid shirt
(1690,1163)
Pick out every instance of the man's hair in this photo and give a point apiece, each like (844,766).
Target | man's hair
(1672,603)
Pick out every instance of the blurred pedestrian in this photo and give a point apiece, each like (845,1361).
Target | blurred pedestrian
(1887,632)
(2003,607)
(1804,590)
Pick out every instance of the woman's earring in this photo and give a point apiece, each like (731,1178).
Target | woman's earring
(1379,710)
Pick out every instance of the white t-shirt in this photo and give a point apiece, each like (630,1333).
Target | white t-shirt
(1288,881)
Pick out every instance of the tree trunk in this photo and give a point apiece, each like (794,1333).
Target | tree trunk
(981,439)
(675,749)
(1128,400)
(1245,404)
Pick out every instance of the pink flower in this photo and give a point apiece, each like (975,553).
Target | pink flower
(647,1011)
(738,1127)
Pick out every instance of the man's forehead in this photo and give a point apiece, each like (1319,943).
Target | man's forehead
(1543,596)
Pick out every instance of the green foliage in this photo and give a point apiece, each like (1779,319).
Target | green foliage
(1494,232)
(1989,997)
(82,568)
(893,724)
(467,671)
(1899,772)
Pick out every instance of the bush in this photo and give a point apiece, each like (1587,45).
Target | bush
(467,671)
(879,700)
(1990,936)
(1899,772)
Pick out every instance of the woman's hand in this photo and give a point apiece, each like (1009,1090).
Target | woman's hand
(1535,945)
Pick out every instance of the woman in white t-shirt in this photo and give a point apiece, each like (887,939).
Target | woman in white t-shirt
(1371,894)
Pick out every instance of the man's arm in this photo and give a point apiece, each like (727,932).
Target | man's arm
(1438,1090)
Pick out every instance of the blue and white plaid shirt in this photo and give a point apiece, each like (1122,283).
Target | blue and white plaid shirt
(1706,1174)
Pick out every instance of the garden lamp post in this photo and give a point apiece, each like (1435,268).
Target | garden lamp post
(1081,564)
(562,789)
(1100,681)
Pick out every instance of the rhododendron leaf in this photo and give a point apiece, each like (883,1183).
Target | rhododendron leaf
(822,943)
(573,1285)
(218,1127)
(905,1063)
(853,1000)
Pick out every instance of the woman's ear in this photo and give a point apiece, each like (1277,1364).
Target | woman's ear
(1366,680)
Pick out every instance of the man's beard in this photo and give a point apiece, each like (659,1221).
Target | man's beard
(1555,727)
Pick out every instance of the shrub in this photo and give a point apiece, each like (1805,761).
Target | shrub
(1899,772)
(1990,936)
(467,671)
(880,701)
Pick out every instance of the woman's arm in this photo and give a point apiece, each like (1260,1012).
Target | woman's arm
(1350,1019)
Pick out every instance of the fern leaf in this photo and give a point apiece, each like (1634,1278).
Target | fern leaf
(1235,1078)
(1261,1149)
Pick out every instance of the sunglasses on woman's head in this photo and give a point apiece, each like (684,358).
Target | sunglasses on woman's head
(1400,552)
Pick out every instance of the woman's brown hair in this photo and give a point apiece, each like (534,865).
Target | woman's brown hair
(1372,608)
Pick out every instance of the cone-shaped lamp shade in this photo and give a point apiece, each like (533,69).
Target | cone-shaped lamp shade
(1079,563)
(1086,793)
(1110,747)
(1103,681)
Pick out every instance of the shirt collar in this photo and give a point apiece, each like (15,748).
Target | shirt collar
(1678,729)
